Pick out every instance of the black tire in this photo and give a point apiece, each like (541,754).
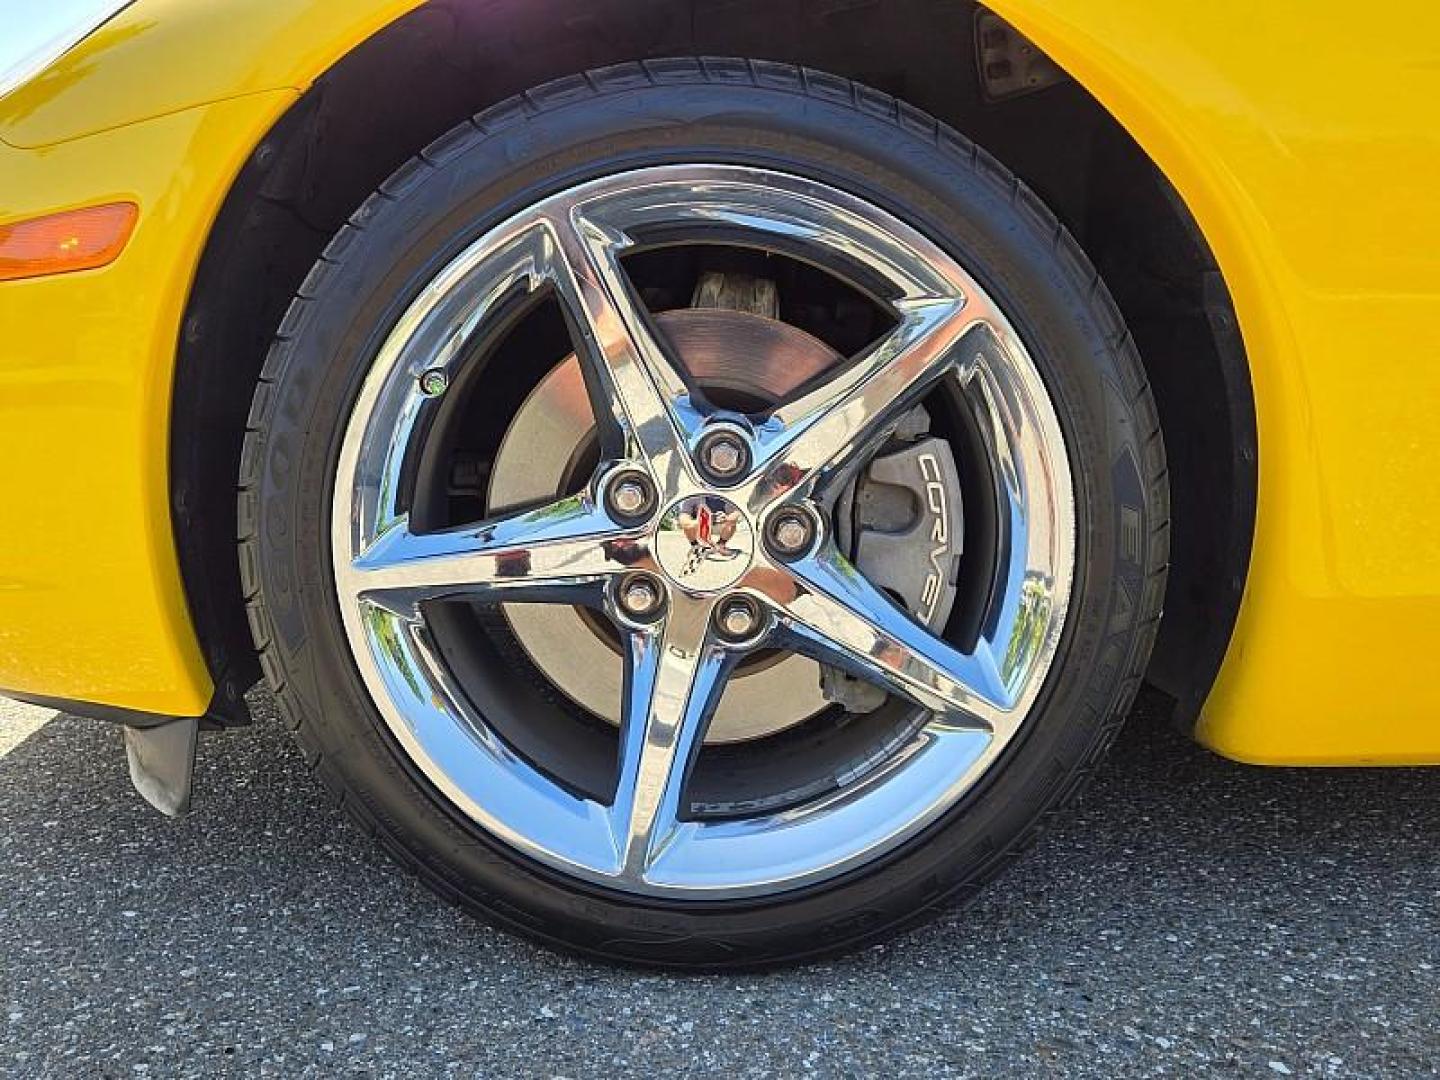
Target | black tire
(739,112)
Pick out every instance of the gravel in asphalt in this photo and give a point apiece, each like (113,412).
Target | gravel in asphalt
(1189,915)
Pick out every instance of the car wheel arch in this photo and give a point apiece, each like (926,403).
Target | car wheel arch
(316,165)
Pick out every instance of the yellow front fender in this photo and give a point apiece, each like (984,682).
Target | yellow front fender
(163,56)
(1312,167)
(91,604)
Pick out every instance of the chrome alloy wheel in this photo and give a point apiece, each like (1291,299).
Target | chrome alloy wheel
(735,564)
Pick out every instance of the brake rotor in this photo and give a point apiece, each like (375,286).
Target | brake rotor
(742,361)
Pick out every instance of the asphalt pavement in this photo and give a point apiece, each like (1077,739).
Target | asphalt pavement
(1190,915)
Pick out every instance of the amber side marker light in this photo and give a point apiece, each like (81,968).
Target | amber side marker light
(65,242)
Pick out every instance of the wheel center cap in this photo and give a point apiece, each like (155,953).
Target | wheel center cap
(704,543)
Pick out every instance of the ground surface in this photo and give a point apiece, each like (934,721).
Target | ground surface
(1191,914)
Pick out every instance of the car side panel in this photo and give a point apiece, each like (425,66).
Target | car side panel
(1308,160)
(91,605)
(208,50)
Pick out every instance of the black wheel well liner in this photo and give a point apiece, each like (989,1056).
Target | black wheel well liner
(351,130)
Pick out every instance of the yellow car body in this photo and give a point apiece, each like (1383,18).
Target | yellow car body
(1314,181)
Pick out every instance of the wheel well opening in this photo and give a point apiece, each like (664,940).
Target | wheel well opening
(352,129)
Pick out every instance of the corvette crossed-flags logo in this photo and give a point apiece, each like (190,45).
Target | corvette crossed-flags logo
(709,532)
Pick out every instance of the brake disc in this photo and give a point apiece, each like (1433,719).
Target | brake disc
(743,358)
(900,522)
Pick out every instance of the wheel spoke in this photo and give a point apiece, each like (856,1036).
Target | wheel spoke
(835,423)
(639,396)
(675,674)
(835,615)
(548,554)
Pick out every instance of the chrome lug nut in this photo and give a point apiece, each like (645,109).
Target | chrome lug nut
(631,496)
(790,532)
(640,595)
(737,618)
(434,382)
(724,455)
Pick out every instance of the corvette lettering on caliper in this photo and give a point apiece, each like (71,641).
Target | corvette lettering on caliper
(902,526)
(939,536)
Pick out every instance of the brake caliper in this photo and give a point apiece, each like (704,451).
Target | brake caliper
(902,524)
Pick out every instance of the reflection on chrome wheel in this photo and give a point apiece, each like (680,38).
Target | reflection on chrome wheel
(702,535)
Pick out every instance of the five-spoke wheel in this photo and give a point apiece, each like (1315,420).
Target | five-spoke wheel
(703,534)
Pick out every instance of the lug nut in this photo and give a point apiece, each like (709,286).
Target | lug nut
(631,496)
(640,595)
(737,618)
(724,455)
(790,532)
(434,382)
